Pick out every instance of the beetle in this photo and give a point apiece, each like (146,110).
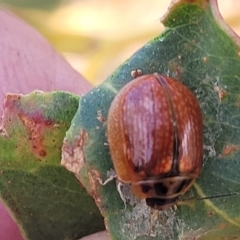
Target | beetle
(155,136)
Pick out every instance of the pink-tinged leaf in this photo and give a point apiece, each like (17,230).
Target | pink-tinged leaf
(45,199)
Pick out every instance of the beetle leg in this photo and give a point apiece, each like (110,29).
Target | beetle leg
(111,175)
(119,189)
(109,179)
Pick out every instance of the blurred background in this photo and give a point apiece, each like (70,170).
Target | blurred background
(96,36)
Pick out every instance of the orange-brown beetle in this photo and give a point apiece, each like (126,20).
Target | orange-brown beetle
(155,135)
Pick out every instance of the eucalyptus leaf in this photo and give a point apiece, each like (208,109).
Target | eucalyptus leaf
(198,49)
(45,199)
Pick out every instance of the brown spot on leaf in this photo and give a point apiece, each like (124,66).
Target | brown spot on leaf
(100,117)
(205,59)
(36,129)
(3,132)
(210,213)
(221,92)
(175,68)
(223,226)
(48,122)
(73,157)
(230,149)
(237,103)
(42,153)
(94,180)
(94,177)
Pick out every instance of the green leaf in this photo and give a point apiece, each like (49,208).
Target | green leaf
(45,199)
(42,4)
(198,49)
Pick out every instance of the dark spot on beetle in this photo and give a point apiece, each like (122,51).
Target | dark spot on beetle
(157,203)
(175,167)
(176,146)
(183,185)
(160,189)
(138,168)
(180,186)
(145,188)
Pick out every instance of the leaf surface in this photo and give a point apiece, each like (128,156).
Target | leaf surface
(46,200)
(198,49)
